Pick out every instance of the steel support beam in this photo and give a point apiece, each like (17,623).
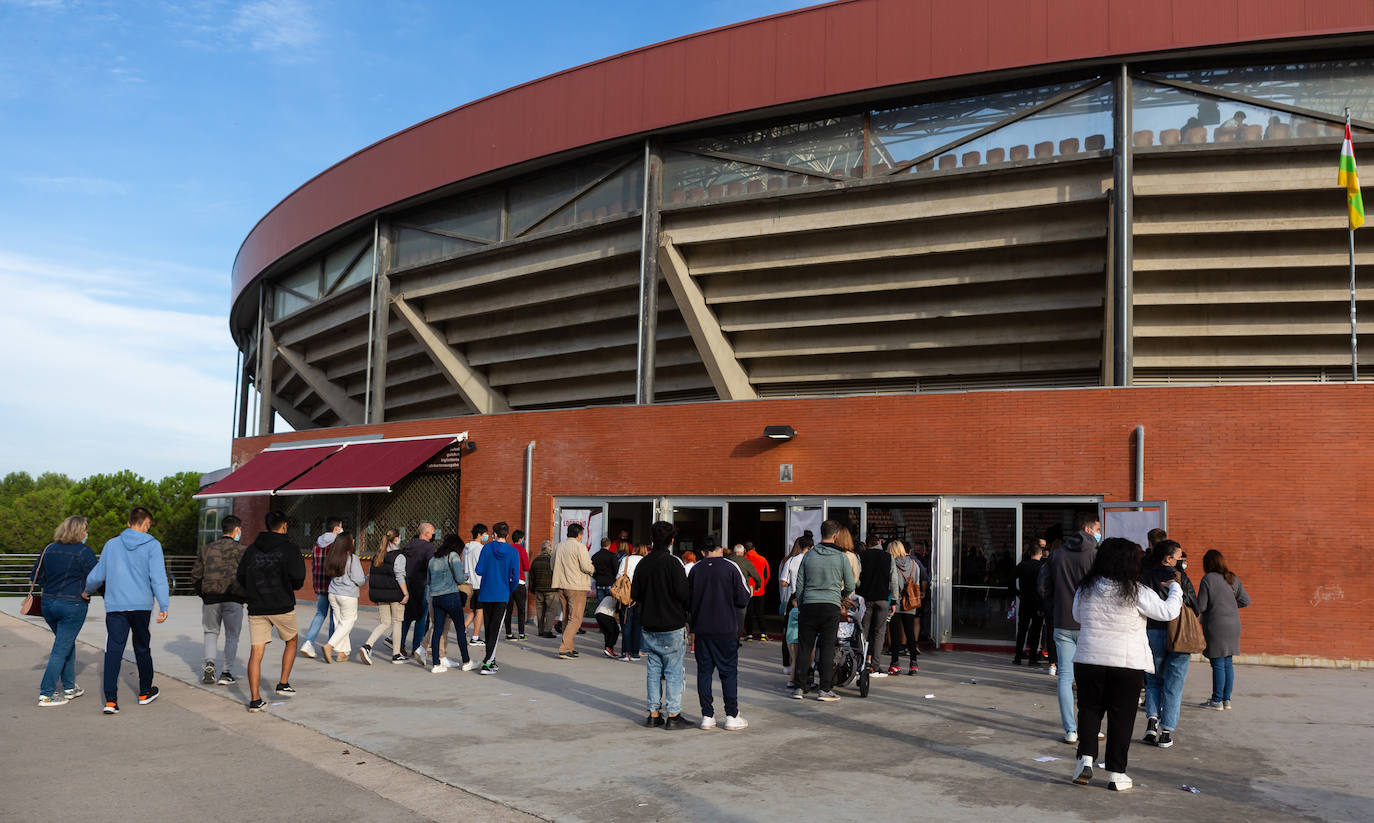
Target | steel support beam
(1121,229)
(727,376)
(471,386)
(350,411)
(266,345)
(241,412)
(647,360)
(379,330)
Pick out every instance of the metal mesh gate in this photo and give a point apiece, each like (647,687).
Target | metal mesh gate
(421,497)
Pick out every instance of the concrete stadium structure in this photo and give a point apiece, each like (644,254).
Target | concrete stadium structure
(969,252)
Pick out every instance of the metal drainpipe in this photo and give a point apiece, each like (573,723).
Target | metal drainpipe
(529,487)
(1139,462)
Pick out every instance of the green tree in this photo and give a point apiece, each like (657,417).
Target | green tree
(27,522)
(176,514)
(105,500)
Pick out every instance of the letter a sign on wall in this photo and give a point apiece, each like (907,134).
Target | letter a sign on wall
(784,472)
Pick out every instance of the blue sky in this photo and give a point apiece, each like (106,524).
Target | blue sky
(142,140)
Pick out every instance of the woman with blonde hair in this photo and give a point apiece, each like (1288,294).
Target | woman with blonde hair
(845,541)
(387,588)
(631,629)
(905,627)
(346,575)
(61,570)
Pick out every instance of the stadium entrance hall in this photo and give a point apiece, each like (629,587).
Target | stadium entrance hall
(970,545)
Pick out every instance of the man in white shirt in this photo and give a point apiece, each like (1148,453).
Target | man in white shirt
(472,552)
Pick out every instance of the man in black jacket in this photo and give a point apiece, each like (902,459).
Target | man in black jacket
(660,587)
(270,573)
(417,552)
(1068,566)
(1029,614)
(717,593)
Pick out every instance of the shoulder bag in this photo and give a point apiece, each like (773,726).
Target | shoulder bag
(1185,632)
(33,603)
(465,587)
(620,589)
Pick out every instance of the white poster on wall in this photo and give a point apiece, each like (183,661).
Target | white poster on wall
(1132,525)
(801,519)
(567,517)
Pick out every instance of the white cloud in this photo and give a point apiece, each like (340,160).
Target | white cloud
(92,385)
(283,28)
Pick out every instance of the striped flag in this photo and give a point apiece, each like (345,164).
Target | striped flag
(1350,181)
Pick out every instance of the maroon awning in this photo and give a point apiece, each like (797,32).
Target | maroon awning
(374,466)
(270,470)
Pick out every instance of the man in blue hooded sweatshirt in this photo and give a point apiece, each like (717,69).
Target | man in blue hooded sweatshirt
(132,571)
(499,570)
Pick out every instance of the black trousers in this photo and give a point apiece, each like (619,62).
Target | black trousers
(492,615)
(1112,691)
(1047,640)
(519,601)
(610,630)
(817,624)
(903,631)
(1029,626)
(753,616)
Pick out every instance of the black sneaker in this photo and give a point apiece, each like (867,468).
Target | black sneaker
(226,679)
(1151,732)
(510,636)
(558,627)
(257,705)
(284,688)
(398,659)
(148,696)
(1166,739)
(207,674)
(676,721)
(521,635)
(653,720)
(111,707)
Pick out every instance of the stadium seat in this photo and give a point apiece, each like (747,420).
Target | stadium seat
(998,155)
(971,158)
(1254,131)
(1195,134)
(1020,152)
(734,188)
(948,161)
(677,196)
(1143,137)
(1044,149)
(1069,145)
(1170,137)
(1279,131)
(1095,142)
(754,186)
(1309,129)
(1225,134)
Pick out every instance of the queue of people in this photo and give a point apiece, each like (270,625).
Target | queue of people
(1119,615)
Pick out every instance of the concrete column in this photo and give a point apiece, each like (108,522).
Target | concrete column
(648,275)
(1121,229)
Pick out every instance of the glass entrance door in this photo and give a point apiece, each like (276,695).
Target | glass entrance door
(980,550)
(695,520)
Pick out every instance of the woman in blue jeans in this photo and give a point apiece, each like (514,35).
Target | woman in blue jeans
(445,576)
(1219,600)
(61,570)
(1164,688)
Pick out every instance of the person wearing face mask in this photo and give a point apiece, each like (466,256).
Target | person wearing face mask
(1164,687)
(387,588)
(222,599)
(1068,565)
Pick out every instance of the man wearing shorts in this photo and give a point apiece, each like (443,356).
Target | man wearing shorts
(269,573)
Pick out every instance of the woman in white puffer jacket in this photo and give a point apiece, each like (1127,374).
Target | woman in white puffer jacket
(1111,607)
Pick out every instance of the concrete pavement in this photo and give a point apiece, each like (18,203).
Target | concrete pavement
(562,740)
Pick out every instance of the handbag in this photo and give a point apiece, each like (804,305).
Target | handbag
(911,593)
(1185,633)
(620,589)
(33,603)
(464,587)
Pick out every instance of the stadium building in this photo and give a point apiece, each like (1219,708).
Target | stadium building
(945,271)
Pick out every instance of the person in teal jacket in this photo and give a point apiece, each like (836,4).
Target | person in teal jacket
(134,576)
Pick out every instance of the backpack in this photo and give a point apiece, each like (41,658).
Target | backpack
(620,589)
(911,593)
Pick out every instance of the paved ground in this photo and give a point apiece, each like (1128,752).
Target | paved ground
(561,740)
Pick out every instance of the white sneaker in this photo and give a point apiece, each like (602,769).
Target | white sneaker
(1070,737)
(1083,772)
(707,722)
(469,666)
(419,657)
(449,662)
(734,724)
(1118,781)
(308,650)
(1054,670)
(786,669)
(439,669)
(1101,735)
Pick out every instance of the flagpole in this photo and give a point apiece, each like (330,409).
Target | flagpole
(1354,338)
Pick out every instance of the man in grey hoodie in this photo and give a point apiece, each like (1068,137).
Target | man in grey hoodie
(1068,566)
(824,578)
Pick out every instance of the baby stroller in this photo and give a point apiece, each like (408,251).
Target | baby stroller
(851,650)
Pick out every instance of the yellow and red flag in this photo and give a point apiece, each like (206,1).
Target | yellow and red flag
(1350,181)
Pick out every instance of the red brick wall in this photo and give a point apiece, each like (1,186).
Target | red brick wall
(1277,477)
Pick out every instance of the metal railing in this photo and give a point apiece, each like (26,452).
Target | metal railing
(14,573)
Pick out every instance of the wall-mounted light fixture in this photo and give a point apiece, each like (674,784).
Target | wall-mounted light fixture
(779,432)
